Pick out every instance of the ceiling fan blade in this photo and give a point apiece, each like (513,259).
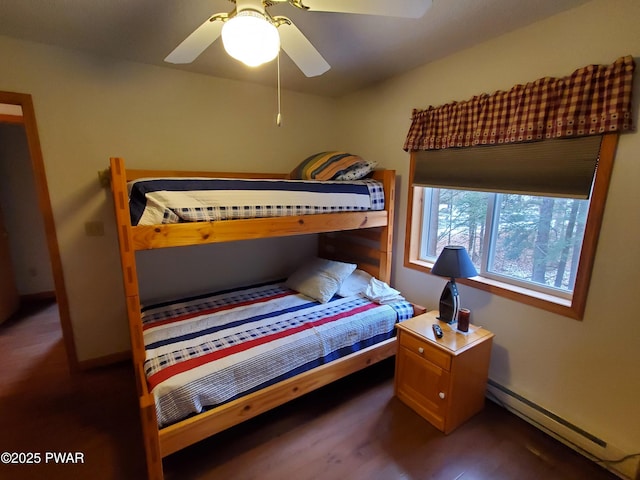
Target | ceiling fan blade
(387,8)
(300,50)
(196,43)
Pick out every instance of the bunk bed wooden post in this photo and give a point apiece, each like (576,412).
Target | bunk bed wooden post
(388,179)
(132,296)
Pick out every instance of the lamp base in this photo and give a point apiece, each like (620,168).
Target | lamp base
(449,303)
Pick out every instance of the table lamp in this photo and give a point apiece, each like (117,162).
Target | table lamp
(453,262)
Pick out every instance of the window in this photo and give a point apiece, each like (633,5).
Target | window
(537,249)
(530,241)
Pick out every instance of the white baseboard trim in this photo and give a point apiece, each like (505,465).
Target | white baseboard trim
(625,465)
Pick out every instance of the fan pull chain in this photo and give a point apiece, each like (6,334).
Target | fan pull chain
(279,116)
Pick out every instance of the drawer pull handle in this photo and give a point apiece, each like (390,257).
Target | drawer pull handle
(420,350)
(442,395)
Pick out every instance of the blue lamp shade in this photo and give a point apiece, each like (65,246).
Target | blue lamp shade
(453,262)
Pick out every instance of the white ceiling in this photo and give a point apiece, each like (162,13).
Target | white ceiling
(361,49)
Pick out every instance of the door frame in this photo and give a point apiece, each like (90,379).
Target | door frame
(37,164)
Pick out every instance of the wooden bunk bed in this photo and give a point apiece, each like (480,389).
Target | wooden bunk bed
(361,237)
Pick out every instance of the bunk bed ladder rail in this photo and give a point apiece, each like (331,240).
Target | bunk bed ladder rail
(132,295)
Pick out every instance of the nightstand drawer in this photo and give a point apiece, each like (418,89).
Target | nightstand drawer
(425,350)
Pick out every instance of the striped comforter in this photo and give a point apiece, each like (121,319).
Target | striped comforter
(177,200)
(207,350)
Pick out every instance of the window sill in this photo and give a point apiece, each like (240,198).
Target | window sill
(551,303)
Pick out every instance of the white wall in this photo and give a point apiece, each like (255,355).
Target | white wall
(584,371)
(215,267)
(89,109)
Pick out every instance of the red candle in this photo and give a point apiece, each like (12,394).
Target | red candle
(463,319)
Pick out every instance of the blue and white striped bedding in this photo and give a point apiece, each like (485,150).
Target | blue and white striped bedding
(177,200)
(207,350)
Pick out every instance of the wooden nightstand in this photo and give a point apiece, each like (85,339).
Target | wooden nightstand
(443,380)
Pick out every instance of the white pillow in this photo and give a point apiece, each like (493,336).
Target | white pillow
(320,278)
(355,283)
(358,171)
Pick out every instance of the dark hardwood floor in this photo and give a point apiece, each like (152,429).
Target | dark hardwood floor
(353,429)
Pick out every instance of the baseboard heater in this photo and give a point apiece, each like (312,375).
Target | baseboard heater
(614,459)
(551,415)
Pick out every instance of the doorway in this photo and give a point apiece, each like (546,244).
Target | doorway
(23,114)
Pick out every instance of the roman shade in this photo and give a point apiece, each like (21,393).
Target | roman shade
(561,167)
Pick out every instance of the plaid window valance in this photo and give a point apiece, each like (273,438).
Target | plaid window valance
(593,100)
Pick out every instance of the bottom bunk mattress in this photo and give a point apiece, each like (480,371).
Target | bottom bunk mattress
(210,349)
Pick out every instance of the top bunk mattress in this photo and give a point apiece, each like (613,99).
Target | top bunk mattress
(154,201)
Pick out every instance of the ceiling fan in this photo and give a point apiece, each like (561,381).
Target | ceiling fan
(252,35)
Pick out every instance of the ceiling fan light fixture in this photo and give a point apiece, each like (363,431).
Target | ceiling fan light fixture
(251,38)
